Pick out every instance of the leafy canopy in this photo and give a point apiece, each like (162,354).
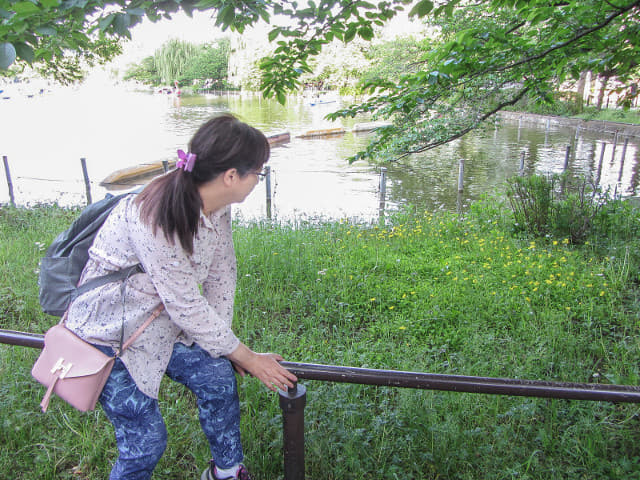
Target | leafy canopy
(491,53)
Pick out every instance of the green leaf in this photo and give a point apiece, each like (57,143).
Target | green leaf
(50,3)
(366,33)
(121,25)
(25,8)
(281,98)
(273,34)
(105,22)
(138,12)
(349,34)
(421,8)
(25,52)
(7,55)
(46,31)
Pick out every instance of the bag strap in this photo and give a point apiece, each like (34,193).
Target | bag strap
(136,334)
(44,404)
(141,328)
(108,278)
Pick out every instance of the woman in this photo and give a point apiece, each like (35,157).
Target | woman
(179,229)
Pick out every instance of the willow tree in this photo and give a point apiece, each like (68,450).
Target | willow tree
(173,58)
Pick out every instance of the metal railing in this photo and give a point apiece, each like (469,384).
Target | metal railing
(293,401)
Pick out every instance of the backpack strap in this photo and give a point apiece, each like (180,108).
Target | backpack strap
(110,277)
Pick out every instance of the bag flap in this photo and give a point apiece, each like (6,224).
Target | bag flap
(78,357)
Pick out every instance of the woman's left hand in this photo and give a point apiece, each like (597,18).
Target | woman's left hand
(264,366)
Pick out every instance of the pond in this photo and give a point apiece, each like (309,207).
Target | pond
(44,138)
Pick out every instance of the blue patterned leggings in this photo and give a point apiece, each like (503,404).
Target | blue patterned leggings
(141,435)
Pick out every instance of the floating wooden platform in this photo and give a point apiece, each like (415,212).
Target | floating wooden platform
(279,138)
(128,175)
(322,133)
(368,126)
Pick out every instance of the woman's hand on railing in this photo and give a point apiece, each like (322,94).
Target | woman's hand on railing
(264,366)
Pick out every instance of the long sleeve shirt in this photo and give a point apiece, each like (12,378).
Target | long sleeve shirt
(197,291)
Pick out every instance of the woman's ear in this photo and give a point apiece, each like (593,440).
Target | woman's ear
(230,176)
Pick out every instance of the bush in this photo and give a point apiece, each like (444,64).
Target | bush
(552,205)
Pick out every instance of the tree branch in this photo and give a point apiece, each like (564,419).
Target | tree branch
(595,28)
(463,132)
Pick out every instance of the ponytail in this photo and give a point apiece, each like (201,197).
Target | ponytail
(172,202)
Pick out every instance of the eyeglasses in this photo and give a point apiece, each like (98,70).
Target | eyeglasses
(261,174)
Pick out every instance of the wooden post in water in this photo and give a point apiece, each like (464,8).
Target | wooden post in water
(267,171)
(9,184)
(383,191)
(165,165)
(567,156)
(565,167)
(461,175)
(624,154)
(521,171)
(599,172)
(615,142)
(87,184)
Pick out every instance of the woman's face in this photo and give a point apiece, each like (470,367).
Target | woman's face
(246,184)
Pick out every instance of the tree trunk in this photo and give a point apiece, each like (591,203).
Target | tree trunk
(580,86)
(603,79)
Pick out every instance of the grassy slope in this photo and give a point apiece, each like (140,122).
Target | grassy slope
(427,293)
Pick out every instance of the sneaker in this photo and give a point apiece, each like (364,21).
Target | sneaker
(211,474)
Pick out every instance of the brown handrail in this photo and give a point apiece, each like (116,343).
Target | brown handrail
(293,402)
(428,381)
(460,383)
(22,339)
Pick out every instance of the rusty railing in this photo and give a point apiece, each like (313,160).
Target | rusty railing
(293,402)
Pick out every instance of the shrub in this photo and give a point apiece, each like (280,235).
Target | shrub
(553,205)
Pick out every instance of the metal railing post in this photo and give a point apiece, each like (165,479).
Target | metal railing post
(292,403)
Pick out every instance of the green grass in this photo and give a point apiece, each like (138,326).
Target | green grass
(566,108)
(427,292)
(611,115)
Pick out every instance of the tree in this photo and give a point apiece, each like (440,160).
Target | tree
(173,58)
(210,64)
(491,53)
(392,59)
(145,72)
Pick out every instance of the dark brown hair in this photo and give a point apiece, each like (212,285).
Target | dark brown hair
(172,202)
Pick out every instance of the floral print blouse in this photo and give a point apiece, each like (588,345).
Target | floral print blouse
(197,291)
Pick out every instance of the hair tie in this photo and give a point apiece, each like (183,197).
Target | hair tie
(187,160)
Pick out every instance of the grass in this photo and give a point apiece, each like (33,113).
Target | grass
(426,292)
(588,112)
(611,115)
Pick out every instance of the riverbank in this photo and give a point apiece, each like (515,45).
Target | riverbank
(429,292)
(623,129)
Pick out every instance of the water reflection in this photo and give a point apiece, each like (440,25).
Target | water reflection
(44,138)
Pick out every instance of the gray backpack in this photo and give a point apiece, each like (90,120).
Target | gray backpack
(62,265)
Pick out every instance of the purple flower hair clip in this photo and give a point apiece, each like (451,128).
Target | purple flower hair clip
(187,160)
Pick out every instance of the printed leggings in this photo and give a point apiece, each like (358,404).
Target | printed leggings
(140,431)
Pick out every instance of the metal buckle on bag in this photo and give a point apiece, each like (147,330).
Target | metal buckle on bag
(61,366)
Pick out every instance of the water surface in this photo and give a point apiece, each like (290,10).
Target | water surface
(44,138)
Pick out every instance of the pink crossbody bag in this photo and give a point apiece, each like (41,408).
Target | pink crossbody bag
(75,370)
